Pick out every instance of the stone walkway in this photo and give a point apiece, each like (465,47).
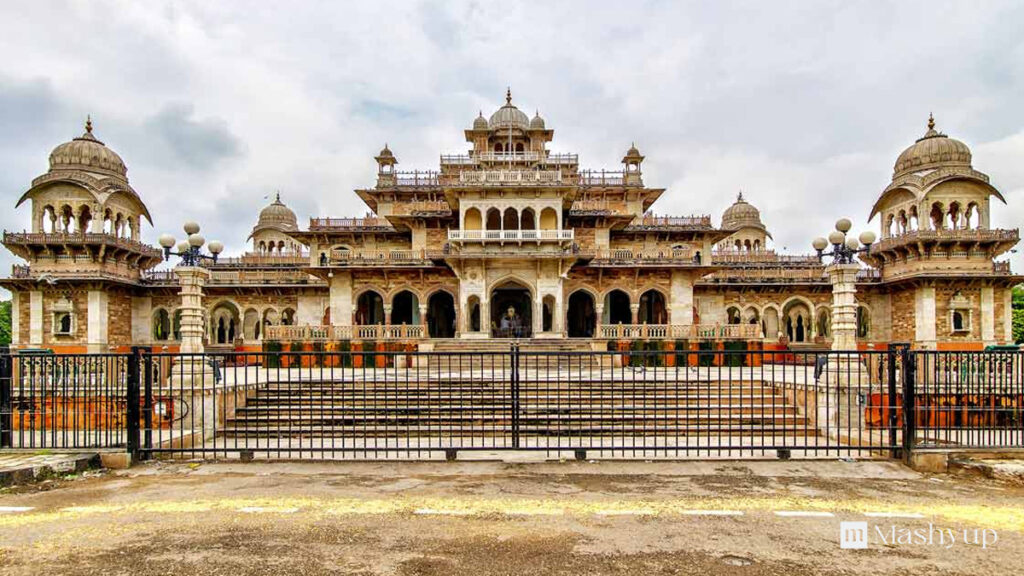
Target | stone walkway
(23,467)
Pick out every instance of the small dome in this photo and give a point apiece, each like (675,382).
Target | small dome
(932,150)
(537,123)
(385,152)
(88,154)
(277,215)
(741,214)
(480,123)
(508,116)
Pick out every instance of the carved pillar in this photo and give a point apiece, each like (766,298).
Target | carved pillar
(635,311)
(387,314)
(598,318)
(192,279)
(844,305)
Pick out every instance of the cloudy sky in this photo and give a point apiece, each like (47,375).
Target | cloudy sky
(802,105)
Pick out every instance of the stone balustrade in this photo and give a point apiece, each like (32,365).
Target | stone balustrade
(335,333)
(681,331)
(509,235)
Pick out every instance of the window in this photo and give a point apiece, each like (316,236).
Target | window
(958,321)
(62,323)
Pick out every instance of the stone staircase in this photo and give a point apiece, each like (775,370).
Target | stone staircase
(551,410)
(536,353)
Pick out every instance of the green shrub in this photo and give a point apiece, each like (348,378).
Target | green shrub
(272,348)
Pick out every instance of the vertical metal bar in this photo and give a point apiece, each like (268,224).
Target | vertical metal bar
(515,395)
(147,405)
(132,398)
(889,405)
(6,369)
(909,410)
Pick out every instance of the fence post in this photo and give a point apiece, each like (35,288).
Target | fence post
(6,420)
(892,393)
(132,398)
(147,405)
(909,360)
(515,395)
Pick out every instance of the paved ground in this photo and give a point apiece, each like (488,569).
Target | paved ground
(492,518)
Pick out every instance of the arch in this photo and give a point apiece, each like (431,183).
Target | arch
(271,317)
(733,315)
(937,216)
(519,146)
(580,316)
(652,308)
(547,304)
(527,220)
(67,219)
(472,219)
(369,308)
(863,322)
(251,324)
(441,315)
(49,215)
(548,219)
(84,218)
(510,220)
(511,308)
(288,317)
(224,322)
(959,325)
(616,307)
(972,217)
(751,315)
(161,324)
(473,303)
(796,318)
(955,215)
(823,322)
(405,309)
(493,219)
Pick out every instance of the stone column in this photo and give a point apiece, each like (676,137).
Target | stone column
(387,314)
(598,319)
(423,320)
(192,279)
(988,315)
(35,318)
(15,317)
(341,299)
(635,310)
(844,306)
(924,317)
(681,303)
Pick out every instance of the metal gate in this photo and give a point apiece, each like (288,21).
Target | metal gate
(676,401)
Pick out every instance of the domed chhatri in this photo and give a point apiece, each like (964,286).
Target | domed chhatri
(278,215)
(537,123)
(480,123)
(932,150)
(745,219)
(741,213)
(508,116)
(88,154)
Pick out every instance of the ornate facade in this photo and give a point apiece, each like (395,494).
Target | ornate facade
(511,240)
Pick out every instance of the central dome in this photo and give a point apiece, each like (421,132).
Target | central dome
(277,215)
(88,154)
(932,150)
(508,116)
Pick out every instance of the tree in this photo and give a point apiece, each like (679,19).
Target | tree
(5,323)
(1018,314)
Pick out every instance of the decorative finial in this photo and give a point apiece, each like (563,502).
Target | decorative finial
(931,121)
(88,124)
(278,197)
(508,95)
(739,197)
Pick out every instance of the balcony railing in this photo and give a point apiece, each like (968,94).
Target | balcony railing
(378,258)
(947,235)
(334,333)
(1001,267)
(60,238)
(509,177)
(681,331)
(20,271)
(256,259)
(509,235)
(420,207)
(626,256)
(597,207)
(369,222)
(652,221)
(760,257)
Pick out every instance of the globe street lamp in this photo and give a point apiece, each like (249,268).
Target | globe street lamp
(842,273)
(191,276)
(189,250)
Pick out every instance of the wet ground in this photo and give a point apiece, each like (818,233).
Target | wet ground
(493,518)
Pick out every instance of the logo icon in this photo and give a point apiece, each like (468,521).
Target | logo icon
(853,535)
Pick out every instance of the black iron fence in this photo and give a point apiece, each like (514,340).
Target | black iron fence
(636,404)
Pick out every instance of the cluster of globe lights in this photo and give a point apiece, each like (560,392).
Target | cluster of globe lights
(843,247)
(188,248)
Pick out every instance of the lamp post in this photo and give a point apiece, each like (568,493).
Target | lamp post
(842,274)
(191,276)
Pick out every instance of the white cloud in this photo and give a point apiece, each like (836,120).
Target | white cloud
(804,106)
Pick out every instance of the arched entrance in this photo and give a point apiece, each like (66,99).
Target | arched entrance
(616,308)
(581,316)
(369,309)
(223,323)
(441,315)
(511,311)
(652,308)
(405,309)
